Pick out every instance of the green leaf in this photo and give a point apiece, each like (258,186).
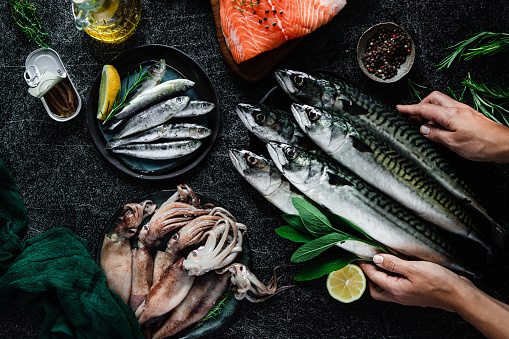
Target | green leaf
(343,225)
(325,265)
(293,234)
(295,221)
(313,248)
(314,220)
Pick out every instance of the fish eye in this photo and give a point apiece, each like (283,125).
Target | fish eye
(194,253)
(175,237)
(298,80)
(260,118)
(201,130)
(291,153)
(313,114)
(250,160)
(145,227)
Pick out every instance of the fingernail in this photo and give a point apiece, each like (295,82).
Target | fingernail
(424,130)
(378,259)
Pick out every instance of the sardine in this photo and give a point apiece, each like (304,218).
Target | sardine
(159,93)
(167,132)
(159,151)
(154,76)
(152,116)
(380,165)
(266,178)
(339,191)
(195,108)
(335,94)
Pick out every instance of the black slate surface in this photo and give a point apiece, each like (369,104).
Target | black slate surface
(64,181)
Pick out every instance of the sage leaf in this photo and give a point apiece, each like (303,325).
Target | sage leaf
(343,225)
(325,265)
(315,221)
(313,248)
(295,221)
(291,233)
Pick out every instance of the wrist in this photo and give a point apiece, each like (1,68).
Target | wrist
(500,152)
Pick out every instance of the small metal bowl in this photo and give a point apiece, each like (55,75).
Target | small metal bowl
(363,44)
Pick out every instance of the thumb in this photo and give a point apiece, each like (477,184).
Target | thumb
(391,263)
(434,132)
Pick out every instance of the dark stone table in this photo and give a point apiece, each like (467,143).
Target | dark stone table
(65,182)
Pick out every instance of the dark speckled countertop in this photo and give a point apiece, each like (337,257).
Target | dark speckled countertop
(64,180)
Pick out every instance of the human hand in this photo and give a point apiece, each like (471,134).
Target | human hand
(416,283)
(459,127)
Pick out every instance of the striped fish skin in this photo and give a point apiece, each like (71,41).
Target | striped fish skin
(159,93)
(335,94)
(266,178)
(165,131)
(380,165)
(152,116)
(159,151)
(270,124)
(195,108)
(380,217)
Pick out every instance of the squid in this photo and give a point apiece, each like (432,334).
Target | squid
(116,253)
(246,285)
(220,248)
(166,293)
(204,294)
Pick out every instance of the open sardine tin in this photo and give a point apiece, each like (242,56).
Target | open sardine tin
(48,80)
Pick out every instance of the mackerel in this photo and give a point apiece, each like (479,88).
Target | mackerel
(152,116)
(341,192)
(270,124)
(159,151)
(266,178)
(373,160)
(159,93)
(335,94)
(165,131)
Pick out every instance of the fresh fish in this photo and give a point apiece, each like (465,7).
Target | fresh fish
(266,178)
(159,93)
(195,108)
(153,116)
(337,95)
(270,124)
(154,76)
(380,217)
(380,165)
(166,131)
(159,151)
(249,31)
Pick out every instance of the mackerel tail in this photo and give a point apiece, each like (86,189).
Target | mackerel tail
(335,94)
(341,192)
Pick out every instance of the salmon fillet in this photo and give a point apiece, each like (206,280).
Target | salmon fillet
(252,27)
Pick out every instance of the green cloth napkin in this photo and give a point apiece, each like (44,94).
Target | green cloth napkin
(55,273)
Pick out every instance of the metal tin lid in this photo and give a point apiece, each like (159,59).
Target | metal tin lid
(45,70)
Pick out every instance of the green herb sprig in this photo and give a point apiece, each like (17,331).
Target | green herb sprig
(415,89)
(23,14)
(244,3)
(319,231)
(483,43)
(219,306)
(120,102)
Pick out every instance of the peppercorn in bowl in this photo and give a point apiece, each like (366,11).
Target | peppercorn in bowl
(385,52)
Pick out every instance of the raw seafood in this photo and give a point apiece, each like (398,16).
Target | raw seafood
(159,151)
(379,216)
(259,26)
(154,76)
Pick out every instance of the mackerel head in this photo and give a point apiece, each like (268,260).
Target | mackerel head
(266,178)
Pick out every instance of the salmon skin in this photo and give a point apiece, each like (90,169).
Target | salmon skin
(255,26)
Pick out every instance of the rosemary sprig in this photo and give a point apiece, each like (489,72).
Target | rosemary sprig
(415,89)
(245,3)
(217,309)
(120,102)
(483,97)
(23,14)
(483,43)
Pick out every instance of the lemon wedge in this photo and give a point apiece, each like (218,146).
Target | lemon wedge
(108,90)
(347,284)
